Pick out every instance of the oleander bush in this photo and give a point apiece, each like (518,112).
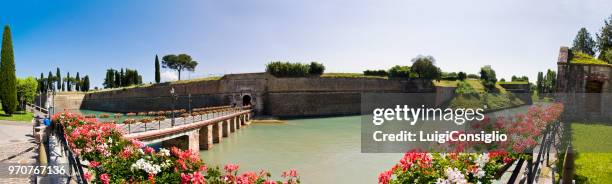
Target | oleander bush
(457,166)
(109,158)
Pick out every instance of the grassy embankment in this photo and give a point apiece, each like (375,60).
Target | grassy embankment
(472,94)
(581,58)
(17,116)
(593,142)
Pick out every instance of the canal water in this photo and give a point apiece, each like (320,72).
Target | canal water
(322,150)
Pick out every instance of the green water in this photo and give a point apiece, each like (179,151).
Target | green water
(323,150)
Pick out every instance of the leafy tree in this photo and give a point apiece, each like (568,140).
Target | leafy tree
(316,68)
(584,42)
(157,73)
(540,82)
(488,78)
(286,69)
(604,39)
(26,90)
(398,71)
(58,77)
(77,82)
(502,80)
(550,81)
(85,83)
(118,78)
(179,63)
(8,79)
(424,67)
(109,80)
(461,76)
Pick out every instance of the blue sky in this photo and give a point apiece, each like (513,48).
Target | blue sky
(235,36)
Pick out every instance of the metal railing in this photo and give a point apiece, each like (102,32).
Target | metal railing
(75,169)
(178,121)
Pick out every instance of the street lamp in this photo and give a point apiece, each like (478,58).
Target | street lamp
(172,96)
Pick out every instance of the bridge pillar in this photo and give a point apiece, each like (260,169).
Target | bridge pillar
(189,141)
(217,132)
(206,137)
(247,118)
(226,127)
(232,124)
(238,121)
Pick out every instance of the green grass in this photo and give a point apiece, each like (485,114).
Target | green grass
(582,58)
(513,82)
(350,75)
(196,80)
(445,83)
(593,163)
(472,94)
(18,116)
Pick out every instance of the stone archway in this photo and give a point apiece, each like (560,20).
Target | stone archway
(246,100)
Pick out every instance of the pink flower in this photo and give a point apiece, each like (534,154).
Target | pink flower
(384,177)
(137,143)
(94,164)
(231,168)
(149,150)
(185,178)
(198,178)
(87,176)
(105,178)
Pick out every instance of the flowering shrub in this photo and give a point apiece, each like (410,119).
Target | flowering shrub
(460,167)
(108,158)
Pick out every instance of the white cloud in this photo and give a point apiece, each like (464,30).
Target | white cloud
(168,76)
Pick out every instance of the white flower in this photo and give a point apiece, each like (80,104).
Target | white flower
(453,175)
(480,173)
(164,152)
(146,166)
(482,160)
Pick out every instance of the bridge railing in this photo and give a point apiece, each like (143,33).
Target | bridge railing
(139,127)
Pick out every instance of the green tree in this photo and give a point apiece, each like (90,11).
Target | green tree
(58,77)
(398,71)
(157,72)
(540,83)
(424,67)
(604,39)
(461,76)
(26,90)
(50,81)
(77,82)
(488,78)
(41,83)
(8,79)
(85,85)
(68,81)
(109,80)
(584,42)
(316,68)
(118,79)
(179,63)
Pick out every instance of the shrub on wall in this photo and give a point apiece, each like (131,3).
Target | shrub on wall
(399,72)
(286,69)
(382,73)
(461,76)
(316,68)
(488,78)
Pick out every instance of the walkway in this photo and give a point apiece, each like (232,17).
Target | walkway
(17,147)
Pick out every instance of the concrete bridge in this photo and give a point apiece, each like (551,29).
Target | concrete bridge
(199,131)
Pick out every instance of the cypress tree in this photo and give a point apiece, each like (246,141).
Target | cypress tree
(8,80)
(77,82)
(85,86)
(58,76)
(68,82)
(50,80)
(157,74)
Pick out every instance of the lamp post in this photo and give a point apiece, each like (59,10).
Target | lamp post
(172,96)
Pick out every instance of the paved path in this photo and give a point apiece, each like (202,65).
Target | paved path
(17,146)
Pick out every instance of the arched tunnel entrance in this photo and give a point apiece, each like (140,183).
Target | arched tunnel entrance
(246,100)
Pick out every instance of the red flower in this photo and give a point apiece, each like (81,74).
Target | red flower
(94,164)
(105,178)
(384,177)
(231,168)
(149,150)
